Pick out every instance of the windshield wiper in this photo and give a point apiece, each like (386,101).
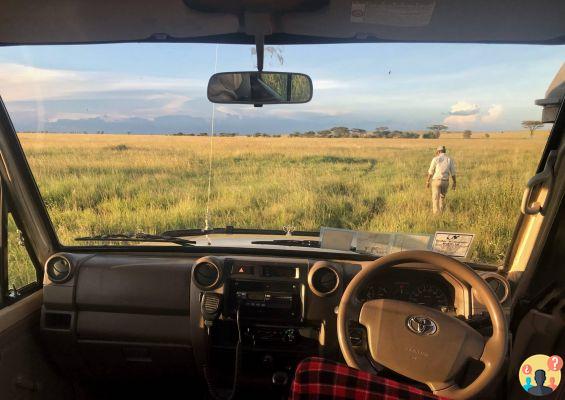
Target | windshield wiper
(290,242)
(241,231)
(137,237)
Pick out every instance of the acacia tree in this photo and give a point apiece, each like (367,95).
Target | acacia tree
(340,131)
(532,126)
(437,129)
(381,131)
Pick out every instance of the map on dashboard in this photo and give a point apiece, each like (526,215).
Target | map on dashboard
(453,244)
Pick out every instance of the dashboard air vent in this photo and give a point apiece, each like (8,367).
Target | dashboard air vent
(59,269)
(323,279)
(206,274)
(499,286)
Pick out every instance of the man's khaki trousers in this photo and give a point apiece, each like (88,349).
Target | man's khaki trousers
(439,190)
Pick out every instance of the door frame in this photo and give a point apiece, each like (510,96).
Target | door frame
(27,206)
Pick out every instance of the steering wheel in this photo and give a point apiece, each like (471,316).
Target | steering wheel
(420,342)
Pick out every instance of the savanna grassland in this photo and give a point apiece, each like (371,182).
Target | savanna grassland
(95,184)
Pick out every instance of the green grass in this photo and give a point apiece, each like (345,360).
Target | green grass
(122,183)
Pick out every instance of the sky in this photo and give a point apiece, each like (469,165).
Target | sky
(161,88)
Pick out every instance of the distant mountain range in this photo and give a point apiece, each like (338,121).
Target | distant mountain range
(171,124)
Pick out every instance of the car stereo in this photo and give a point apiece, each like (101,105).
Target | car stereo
(269,293)
(265,301)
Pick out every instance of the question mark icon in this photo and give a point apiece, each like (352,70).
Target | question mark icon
(554,363)
(526,369)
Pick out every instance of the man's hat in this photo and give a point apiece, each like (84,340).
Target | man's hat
(441,148)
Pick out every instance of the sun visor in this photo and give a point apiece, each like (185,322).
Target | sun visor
(81,21)
(553,97)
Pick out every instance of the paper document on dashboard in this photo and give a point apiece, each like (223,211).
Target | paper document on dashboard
(337,239)
(373,243)
(453,244)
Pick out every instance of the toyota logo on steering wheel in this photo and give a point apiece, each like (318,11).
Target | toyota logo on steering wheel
(421,325)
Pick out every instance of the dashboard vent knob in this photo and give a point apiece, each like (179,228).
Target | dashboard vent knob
(499,286)
(59,269)
(206,274)
(323,279)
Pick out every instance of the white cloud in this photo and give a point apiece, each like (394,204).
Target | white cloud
(283,112)
(456,122)
(72,116)
(28,90)
(464,115)
(231,111)
(23,82)
(464,109)
(328,84)
(493,113)
(172,104)
(307,110)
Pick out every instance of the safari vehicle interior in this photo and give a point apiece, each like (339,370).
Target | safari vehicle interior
(163,315)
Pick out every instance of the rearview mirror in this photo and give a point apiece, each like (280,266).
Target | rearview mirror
(254,87)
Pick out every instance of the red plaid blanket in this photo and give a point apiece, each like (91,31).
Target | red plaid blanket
(317,378)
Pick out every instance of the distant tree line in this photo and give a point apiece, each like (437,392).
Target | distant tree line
(432,132)
(380,132)
(222,134)
(344,132)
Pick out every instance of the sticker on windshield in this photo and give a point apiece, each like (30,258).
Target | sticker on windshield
(407,13)
(453,244)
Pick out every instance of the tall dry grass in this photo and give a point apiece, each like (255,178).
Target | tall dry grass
(114,183)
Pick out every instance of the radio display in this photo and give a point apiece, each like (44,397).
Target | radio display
(279,271)
(259,296)
(262,300)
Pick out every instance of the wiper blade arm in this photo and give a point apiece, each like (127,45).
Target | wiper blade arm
(241,231)
(137,237)
(290,242)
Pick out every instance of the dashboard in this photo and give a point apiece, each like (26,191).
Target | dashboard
(113,311)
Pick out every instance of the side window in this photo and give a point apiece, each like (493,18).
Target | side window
(18,275)
(21,271)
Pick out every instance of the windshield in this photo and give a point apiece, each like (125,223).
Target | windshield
(398,138)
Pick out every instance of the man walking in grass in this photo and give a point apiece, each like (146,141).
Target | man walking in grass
(441,168)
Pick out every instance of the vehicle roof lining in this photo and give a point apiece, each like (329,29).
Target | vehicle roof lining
(450,21)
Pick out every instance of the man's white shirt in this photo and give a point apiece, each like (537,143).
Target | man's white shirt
(442,167)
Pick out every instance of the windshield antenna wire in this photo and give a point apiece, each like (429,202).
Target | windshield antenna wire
(212,128)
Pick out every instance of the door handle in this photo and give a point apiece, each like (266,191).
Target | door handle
(543,178)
